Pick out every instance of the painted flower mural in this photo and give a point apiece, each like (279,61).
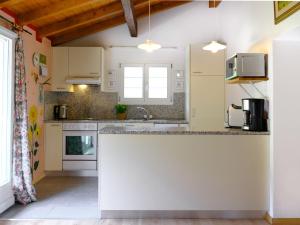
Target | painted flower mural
(33,136)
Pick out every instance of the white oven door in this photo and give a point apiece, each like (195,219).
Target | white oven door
(80,145)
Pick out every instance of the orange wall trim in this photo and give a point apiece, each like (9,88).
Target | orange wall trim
(282,221)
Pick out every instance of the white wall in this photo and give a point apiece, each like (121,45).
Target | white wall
(184,172)
(285,130)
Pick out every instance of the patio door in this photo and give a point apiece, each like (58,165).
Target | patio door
(6,111)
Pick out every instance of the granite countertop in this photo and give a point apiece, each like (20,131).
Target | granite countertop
(175,131)
(156,121)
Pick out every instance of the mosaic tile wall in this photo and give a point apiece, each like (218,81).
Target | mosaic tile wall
(93,103)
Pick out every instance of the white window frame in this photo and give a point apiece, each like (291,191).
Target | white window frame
(131,101)
(6,194)
(146,100)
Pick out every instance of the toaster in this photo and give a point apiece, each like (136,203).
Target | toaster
(235,116)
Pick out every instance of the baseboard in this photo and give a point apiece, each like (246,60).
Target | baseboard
(38,179)
(182,214)
(77,173)
(7,203)
(282,221)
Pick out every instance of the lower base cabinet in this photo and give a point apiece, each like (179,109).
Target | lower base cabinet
(53,147)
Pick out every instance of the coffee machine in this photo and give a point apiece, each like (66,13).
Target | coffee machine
(254,116)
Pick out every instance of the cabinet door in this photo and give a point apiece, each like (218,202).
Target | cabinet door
(53,147)
(207,103)
(60,69)
(206,63)
(85,61)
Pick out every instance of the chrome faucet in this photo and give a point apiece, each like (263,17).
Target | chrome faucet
(147,116)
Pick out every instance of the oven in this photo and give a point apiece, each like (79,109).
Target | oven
(80,146)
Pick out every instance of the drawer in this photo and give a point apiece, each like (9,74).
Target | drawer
(79,165)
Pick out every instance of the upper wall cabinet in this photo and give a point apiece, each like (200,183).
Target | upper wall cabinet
(85,61)
(60,69)
(76,65)
(205,62)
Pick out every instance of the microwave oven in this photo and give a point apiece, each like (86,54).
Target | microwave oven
(246,65)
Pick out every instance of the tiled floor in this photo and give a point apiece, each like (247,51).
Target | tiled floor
(136,222)
(60,198)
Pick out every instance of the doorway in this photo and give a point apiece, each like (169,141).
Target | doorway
(6,111)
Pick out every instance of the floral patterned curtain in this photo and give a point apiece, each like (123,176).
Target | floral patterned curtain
(22,180)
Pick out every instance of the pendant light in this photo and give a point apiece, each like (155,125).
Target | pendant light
(149,45)
(214,46)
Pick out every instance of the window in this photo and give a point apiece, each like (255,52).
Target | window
(146,84)
(133,82)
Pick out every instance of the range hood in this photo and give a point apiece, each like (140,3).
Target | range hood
(83,80)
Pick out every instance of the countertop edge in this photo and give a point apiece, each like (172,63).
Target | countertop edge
(174,132)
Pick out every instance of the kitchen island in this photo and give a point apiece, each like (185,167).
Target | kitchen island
(175,172)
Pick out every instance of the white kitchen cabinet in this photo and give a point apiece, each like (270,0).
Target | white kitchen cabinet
(86,61)
(53,147)
(205,62)
(207,103)
(60,70)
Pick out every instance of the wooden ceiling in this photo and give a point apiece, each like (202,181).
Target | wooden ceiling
(65,20)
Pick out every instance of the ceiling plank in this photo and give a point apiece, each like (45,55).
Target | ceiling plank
(101,13)
(130,17)
(55,9)
(5,3)
(97,27)
(214,3)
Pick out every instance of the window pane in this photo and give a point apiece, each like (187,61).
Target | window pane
(5,110)
(133,82)
(158,82)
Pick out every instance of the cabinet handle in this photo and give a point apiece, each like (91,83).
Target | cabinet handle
(197,72)
(55,125)
(93,73)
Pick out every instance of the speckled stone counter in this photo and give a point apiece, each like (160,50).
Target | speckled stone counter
(174,131)
(159,121)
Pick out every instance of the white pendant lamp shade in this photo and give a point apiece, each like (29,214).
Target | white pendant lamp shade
(149,46)
(214,47)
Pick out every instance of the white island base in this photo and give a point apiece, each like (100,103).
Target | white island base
(183,176)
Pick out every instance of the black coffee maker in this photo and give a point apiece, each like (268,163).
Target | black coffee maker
(254,115)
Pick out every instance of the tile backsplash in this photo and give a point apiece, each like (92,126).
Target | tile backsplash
(93,103)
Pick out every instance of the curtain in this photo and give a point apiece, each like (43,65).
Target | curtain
(22,179)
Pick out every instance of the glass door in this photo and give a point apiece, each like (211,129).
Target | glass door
(80,145)
(6,124)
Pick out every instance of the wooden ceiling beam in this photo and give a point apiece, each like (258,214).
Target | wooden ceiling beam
(97,27)
(214,3)
(130,17)
(55,8)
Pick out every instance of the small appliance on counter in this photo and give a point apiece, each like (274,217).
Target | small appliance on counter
(60,112)
(235,116)
(254,119)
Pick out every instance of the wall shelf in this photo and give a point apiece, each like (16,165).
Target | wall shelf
(246,80)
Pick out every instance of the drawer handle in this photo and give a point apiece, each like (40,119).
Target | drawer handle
(55,125)
(61,88)
(94,73)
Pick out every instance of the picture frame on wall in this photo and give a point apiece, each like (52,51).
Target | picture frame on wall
(284,9)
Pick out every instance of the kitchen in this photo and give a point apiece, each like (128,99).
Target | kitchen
(181,132)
